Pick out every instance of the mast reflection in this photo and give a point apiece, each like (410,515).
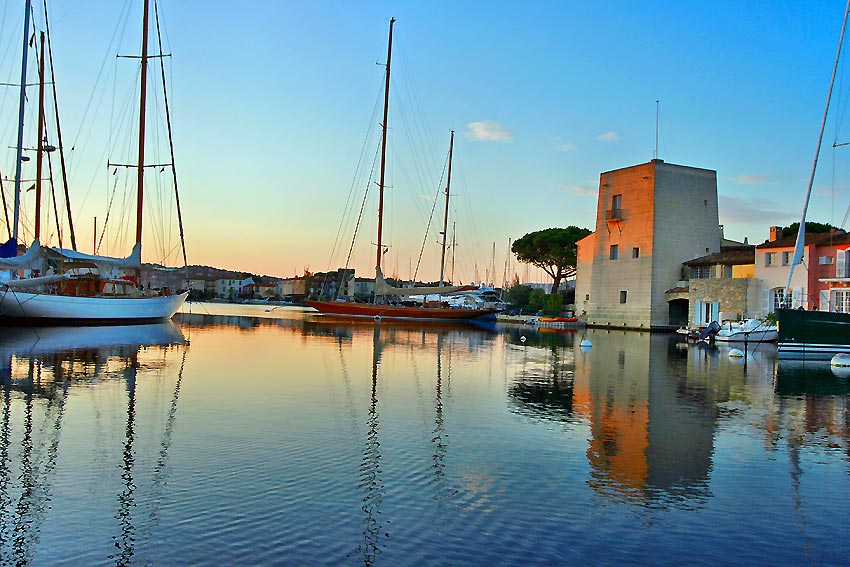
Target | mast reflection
(39,366)
(370,466)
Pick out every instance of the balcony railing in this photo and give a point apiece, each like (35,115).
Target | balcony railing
(615,214)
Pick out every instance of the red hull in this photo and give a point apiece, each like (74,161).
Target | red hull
(402,313)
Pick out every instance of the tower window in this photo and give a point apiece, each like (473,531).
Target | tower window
(622,297)
(615,251)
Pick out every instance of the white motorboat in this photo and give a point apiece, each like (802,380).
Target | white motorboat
(748,330)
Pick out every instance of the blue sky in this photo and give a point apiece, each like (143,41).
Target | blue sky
(272,102)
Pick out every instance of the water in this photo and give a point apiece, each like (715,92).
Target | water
(273,438)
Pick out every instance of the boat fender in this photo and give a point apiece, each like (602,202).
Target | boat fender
(736,353)
(586,343)
(377,318)
(841,360)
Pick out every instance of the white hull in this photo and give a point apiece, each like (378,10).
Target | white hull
(810,351)
(39,307)
(767,336)
(28,341)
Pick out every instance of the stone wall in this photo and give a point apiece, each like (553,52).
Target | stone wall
(731,293)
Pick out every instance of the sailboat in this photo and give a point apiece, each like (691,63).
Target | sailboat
(425,311)
(57,285)
(813,334)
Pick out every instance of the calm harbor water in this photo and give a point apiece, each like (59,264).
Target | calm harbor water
(277,438)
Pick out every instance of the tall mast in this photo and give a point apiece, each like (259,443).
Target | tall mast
(384,149)
(446,215)
(799,246)
(23,97)
(142,102)
(39,160)
(59,134)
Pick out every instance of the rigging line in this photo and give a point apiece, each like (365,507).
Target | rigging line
(115,40)
(428,228)
(417,111)
(108,211)
(413,135)
(5,205)
(359,218)
(55,204)
(841,106)
(59,139)
(354,181)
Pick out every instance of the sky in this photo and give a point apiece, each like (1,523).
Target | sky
(274,129)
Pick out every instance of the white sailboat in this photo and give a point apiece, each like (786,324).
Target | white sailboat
(57,285)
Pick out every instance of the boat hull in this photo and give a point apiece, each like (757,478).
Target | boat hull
(812,334)
(41,308)
(402,313)
(766,336)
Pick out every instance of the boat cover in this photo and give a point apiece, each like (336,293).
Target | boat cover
(106,265)
(28,260)
(383,288)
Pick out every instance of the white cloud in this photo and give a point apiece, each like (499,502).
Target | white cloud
(750,179)
(608,137)
(566,147)
(488,132)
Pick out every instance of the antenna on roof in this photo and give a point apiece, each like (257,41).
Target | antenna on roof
(655,152)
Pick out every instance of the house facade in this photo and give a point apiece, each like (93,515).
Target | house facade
(364,288)
(723,286)
(650,219)
(773,267)
(293,289)
(229,288)
(833,273)
(821,283)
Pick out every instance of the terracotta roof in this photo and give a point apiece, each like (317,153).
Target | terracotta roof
(838,237)
(728,256)
(835,238)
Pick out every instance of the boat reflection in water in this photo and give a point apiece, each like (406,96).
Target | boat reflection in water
(41,370)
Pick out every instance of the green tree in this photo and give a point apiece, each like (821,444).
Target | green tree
(553,250)
(811,227)
(519,295)
(537,300)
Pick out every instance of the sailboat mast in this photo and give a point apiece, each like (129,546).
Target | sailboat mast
(23,98)
(384,149)
(142,103)
(446,215)
(800,244)
(39,160)
(59,134)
